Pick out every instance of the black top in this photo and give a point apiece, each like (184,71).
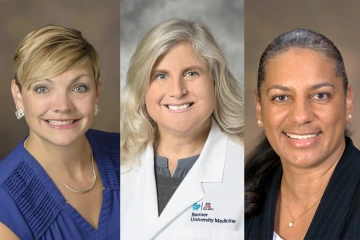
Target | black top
(167,185)
(338,213)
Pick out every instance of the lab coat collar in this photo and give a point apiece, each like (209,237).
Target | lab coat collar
(212,157)
(208,168)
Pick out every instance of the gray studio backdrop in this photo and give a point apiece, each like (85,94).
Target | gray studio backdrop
(225,19)
(265,20)
(100,25)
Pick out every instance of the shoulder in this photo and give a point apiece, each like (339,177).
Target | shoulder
(106,142)
(11,162)
(26,206)
(108,139)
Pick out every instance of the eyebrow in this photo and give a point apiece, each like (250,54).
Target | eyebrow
(191,68)
(286,89)
(72,80)
(325,84)
(279,87)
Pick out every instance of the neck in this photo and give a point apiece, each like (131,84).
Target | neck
(175,147)
(308,185)
(72,160)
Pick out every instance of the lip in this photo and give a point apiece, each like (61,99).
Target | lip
(179,104)
(303,143)
(62,127)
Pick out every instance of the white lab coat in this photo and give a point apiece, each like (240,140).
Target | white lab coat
(212,190)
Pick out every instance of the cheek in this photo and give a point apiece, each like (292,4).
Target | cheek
(273,116)
(206,92)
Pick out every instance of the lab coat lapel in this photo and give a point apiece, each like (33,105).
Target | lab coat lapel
(208,168)
(145,200)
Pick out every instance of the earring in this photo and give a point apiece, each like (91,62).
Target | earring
(259,122)
(97,109)
(19,113)
(350,116)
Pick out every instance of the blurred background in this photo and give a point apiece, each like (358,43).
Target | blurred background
(99,22)
(265,20)
(224,18)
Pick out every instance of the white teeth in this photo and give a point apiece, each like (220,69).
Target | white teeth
(301,137)
(172,107)
(61,123)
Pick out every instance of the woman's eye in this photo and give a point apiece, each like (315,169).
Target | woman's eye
(191,74)
(281,98)
(80,89)
(321,96)
(161,76)
(41,89)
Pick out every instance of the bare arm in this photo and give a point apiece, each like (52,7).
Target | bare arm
(6,233)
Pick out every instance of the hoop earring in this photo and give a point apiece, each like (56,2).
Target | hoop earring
(97,109)
(19,113)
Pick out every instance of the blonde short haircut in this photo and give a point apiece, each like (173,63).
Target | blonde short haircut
(136,127)
(50,51)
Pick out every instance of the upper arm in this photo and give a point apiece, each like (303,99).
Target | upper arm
(6,233)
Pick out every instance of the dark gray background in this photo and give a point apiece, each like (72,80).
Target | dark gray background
(100,25)
(265,20)
(225,19)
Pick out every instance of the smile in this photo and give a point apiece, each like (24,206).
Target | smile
(179,107)
(301,137)
(61,123)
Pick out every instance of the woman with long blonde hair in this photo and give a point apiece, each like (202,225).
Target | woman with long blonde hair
(181,138)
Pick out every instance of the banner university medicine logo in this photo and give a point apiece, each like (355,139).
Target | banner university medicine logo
(202,206)
(196,206)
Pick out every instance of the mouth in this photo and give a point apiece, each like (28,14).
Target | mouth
(179,107)
(62,122)
(302,137)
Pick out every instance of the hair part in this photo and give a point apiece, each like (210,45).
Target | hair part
(307,40)
(50,51)
(136,126)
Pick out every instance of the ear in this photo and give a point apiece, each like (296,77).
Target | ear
(258,109)
(16,94)
(98,91)
(349,103)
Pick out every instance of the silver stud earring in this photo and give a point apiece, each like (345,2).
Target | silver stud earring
(97,109)
(350,116)
(19,113)
(259,122)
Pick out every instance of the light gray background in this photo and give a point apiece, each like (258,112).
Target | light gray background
(99,24)
(225,19)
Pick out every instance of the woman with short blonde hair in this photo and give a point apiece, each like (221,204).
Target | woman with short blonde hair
(60,182)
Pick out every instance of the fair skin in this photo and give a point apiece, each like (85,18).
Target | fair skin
(180,99)
(59,110)
(304,110)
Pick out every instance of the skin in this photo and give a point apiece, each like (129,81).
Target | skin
(181,77)
(302,95)
(63,152)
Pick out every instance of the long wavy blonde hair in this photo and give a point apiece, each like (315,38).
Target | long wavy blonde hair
(136,127)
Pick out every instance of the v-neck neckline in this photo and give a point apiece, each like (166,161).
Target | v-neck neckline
(60,199)
(331,213)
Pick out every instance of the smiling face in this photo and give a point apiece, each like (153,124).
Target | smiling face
(180,98)
(303,108)
(60,109)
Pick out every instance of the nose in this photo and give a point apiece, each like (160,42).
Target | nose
(177,87)
(62,102)
(301,112)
